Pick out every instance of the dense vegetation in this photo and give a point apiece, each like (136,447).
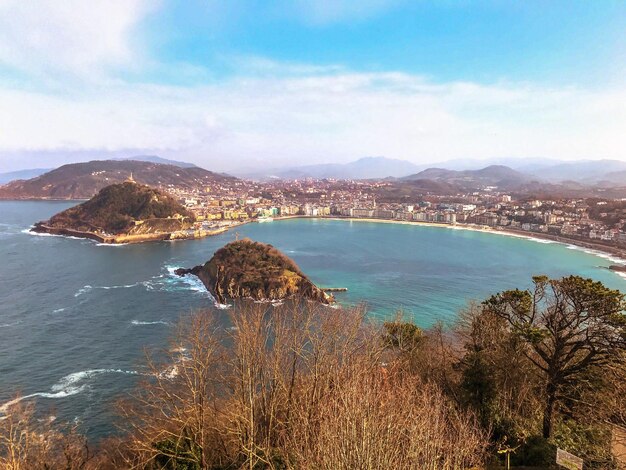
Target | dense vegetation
(115,209)
(249,269)
(303,386)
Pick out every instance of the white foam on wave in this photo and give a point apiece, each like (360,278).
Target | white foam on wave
(59,310)
(87,288)
(28,231)
(158,322)
(8,325)
(68,385)
(599,254)
(124,286)
(83,290)
(191,282)
(170,372)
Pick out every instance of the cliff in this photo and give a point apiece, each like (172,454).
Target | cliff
(127,210)
(249,269)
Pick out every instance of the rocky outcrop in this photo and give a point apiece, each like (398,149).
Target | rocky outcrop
(249,269)
(618,267)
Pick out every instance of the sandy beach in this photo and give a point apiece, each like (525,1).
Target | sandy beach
(613,254)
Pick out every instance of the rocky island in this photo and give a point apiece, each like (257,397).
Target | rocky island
(123,213)
(254,270)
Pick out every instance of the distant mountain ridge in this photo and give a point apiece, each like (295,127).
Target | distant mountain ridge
(84,180)
(34,172)
(364,168)
(22,174)
(493,175)
(157,159)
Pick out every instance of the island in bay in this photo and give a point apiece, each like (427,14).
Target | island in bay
(124,213)
(254,270)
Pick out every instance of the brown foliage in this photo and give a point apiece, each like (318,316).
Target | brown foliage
(28,443)
(299,386)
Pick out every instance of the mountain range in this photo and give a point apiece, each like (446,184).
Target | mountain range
(364,168)
(84,180)
(493,175)
(589,172)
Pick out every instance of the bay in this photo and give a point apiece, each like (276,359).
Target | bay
(75,316)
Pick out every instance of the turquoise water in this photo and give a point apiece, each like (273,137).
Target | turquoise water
(75,317)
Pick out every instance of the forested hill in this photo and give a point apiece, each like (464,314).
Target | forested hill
(84,180)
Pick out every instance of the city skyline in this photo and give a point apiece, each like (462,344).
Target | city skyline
(244,84)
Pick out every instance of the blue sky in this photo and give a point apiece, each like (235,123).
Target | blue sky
(550,41)
(231,84)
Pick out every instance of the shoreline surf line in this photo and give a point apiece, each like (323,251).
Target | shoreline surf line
(591,248)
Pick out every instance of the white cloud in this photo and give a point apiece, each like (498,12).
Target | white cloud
(75,36)
(325,116)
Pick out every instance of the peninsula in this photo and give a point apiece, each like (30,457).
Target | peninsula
(123,213)
(254,270)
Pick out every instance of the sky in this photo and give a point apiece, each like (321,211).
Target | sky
(242,84)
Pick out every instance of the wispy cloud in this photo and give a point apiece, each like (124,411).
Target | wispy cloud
(267,111)
(321,116)
(75,36)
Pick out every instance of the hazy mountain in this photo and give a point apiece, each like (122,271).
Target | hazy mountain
(84,180)
(615,178)
(364,168)
(493,175)
(157,159)
(22,174)
(547,169)
(587,171)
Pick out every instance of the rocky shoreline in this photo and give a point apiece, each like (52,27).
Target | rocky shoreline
(245,269)
(128,238)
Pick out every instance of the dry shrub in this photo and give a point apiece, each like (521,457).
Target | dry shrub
(174,416)
(297,386)
(379,418)
(29,443)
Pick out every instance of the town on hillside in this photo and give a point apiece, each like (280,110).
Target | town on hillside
(600,221)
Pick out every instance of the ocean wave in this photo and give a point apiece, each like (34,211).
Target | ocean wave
(8,325)
(170,372)
(83,290)
(191,282)
(599,254)
(87,288)
(59,310)
(158,322)
(71,384)
(28,231)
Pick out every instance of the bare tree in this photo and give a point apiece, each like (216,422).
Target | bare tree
(28,443)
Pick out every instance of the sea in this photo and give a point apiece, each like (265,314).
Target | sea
(77,317)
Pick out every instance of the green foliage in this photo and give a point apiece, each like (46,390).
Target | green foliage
(479,386)
(180,455)
(116,208)
(589,441)
(535,452)
(570,325)
(404,336)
